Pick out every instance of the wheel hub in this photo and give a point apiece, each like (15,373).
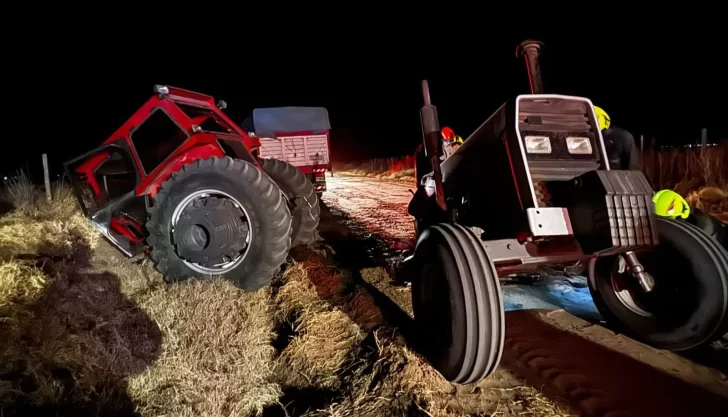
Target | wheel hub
(211,231)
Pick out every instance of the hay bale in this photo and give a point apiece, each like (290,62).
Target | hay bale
(217,357)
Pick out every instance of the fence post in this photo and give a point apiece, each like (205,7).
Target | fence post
(703,137)
(46,177)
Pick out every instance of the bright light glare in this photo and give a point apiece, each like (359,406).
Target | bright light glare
(579,146)
(538,144)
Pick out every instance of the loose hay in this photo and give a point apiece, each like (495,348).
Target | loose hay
(21,234)
(20,284)
(75,342)
(108,336)
(216,356)
(325,335)
(86,332)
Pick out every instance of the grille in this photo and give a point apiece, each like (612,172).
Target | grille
(554,115)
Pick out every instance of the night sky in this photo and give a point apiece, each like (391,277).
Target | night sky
(83,87)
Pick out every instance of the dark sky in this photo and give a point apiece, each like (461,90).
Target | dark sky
(79,88)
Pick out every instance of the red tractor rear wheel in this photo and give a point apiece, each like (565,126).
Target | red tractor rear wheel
(303,201)
(220,217)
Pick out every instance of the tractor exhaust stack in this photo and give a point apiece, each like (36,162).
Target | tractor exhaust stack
(530,50)
(431,139)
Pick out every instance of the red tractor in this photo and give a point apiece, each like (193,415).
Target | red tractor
(183,182)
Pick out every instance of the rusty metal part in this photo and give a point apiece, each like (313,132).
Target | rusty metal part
(513,257)
(431,138)
(530,51)
(635,267)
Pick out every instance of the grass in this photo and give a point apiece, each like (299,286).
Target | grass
(86,332)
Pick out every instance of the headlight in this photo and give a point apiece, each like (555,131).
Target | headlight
(579,146)
(538,144)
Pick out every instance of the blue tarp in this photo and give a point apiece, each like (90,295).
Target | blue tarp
(267,121)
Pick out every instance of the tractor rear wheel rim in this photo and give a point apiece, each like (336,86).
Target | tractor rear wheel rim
(211,232)
(673,298)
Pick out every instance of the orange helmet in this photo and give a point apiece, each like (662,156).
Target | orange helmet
(447,134)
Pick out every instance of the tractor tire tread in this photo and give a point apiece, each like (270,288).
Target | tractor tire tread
(269,208)
(483,324)
(295,186)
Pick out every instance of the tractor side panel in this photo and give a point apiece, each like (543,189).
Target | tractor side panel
(480,180)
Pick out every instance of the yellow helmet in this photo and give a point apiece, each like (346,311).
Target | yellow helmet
(670,204)
(458,139)
(604,120)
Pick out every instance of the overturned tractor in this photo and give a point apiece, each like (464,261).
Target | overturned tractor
(532,186)
(183,182)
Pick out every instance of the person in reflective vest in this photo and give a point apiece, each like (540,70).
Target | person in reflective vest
(672,205)
(619,144)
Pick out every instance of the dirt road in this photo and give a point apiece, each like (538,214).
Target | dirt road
(597,371)
(379,206)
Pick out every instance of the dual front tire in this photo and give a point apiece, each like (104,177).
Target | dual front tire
(457,303)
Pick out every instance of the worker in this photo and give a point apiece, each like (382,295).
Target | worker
(457,142)
(450,142)
(672,205)
(619,144)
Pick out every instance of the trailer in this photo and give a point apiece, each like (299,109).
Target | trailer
(296,135)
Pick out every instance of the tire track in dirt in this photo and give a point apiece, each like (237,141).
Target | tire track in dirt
(599,379)
(595,379)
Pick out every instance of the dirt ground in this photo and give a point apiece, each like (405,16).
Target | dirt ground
(596,371)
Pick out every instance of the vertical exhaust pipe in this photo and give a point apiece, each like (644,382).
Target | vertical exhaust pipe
(431,139)
(530,50)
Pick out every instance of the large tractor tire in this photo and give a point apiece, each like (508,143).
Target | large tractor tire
(220,217)
(686,308)
(303,201)
(457,303)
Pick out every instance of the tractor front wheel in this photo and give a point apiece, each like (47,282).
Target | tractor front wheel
(220,217)
(302,198)
(457,303)
(687,306)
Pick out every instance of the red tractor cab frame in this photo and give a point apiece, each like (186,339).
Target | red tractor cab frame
(173,128)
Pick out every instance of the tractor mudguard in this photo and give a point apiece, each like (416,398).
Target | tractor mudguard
(150,186)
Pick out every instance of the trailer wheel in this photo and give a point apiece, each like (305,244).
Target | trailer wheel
(687,307)
(457,303)
(220,217)
(300,193)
